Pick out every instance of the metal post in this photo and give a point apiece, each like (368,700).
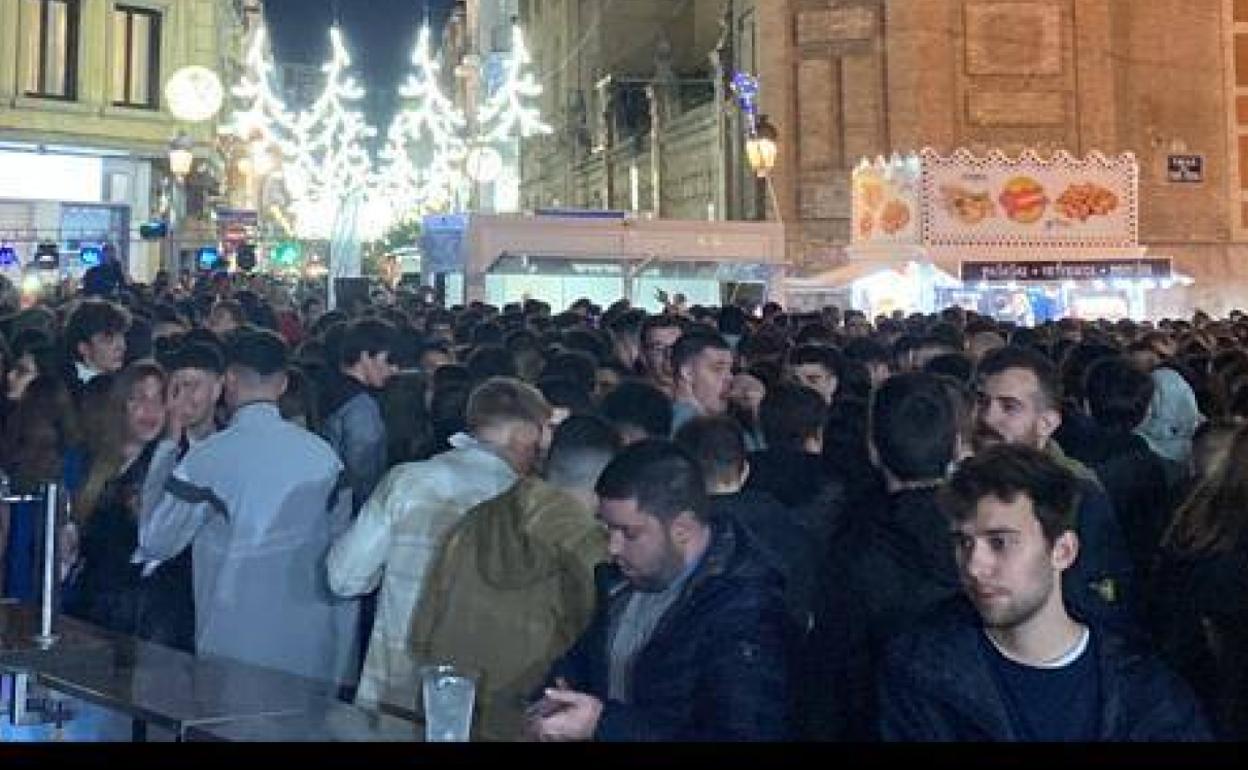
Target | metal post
(46,638)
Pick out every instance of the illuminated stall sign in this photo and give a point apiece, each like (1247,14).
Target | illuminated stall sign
(1029,201)
(1071,270)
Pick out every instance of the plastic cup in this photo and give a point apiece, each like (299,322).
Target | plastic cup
(448,695)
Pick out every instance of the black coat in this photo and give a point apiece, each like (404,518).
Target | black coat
(936,685)
(715,667)
(897,566)
(1134,477)
(1197,611)
(801,482)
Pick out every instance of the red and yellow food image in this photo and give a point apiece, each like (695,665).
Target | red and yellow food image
(871,193)
(1083,201)
(970,207)
(1023,200)
(866,225)
(895,217)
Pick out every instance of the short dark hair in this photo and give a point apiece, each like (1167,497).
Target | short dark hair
(821,355)
(914,426)
(366,336)
(196,355)
(661,321)
(663,479)
(1012,356)
(575,365)
(256,350)
(92,317)
(717,443)
(1118,394)
(490,361)
(641,405)
(867,350)
(956,365)
(692,344)
(1005,471)
(566,393)
(790,414)
(582,446)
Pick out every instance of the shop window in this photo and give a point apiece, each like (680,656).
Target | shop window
(51,28)
(136,57)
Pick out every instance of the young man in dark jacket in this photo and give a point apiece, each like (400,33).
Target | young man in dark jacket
(688,639)
(1020,667)
(353,425)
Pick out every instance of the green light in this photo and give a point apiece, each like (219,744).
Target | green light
(287,254)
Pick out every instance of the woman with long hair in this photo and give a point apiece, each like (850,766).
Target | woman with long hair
(105,588)
(1198,597)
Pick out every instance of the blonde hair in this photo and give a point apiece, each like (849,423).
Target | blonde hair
(500,400)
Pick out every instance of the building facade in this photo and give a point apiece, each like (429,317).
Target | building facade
(85,127)
(843,80)
(1164,79)
(631,91)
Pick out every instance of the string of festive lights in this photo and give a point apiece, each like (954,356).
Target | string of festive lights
(421,167)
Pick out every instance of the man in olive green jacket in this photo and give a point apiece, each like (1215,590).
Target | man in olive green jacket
(512,586)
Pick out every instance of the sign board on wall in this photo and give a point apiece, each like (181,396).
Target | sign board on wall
(886,201)
(995,200)
(1069,270)
(1185,169)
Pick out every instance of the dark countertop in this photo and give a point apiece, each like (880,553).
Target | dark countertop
(333,721)
(172,689)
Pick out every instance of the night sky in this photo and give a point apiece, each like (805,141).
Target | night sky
(379,34)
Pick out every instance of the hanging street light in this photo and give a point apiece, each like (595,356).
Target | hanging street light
(761,147)
(181,158)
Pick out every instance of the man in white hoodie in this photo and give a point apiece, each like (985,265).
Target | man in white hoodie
(396,535)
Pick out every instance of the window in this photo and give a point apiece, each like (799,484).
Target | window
(51,28)
(136,57)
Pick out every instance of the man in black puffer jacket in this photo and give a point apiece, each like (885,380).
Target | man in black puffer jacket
(688,639)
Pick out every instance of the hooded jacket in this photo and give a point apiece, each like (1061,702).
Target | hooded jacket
(511,589)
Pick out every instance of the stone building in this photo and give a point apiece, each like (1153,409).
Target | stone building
(847,79)
(631,92)
(843,79)
(85,126)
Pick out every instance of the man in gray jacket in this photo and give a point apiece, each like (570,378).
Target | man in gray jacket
(259,504)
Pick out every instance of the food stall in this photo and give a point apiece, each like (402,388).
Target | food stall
(1024,239)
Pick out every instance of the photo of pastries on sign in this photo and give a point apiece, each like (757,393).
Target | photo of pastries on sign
(1083,201)
(1023,200)
(872,192)
(895,217)
(967,206)
(866,225)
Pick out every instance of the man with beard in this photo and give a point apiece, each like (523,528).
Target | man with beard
(1018,402)
(688,639)
(1021,667)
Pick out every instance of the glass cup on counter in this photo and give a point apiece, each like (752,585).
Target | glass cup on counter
(448,694)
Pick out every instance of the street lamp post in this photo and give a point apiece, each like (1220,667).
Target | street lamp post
(760,150)
(181,160)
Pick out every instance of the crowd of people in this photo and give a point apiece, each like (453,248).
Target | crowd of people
(706,523)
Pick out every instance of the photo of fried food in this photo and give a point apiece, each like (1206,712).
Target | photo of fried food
(967,206)
(866,226)
(895,217)
(1023,200)
(871,193)
(1084,201)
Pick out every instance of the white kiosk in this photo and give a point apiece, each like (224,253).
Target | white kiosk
(1024,239)
(601,255)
